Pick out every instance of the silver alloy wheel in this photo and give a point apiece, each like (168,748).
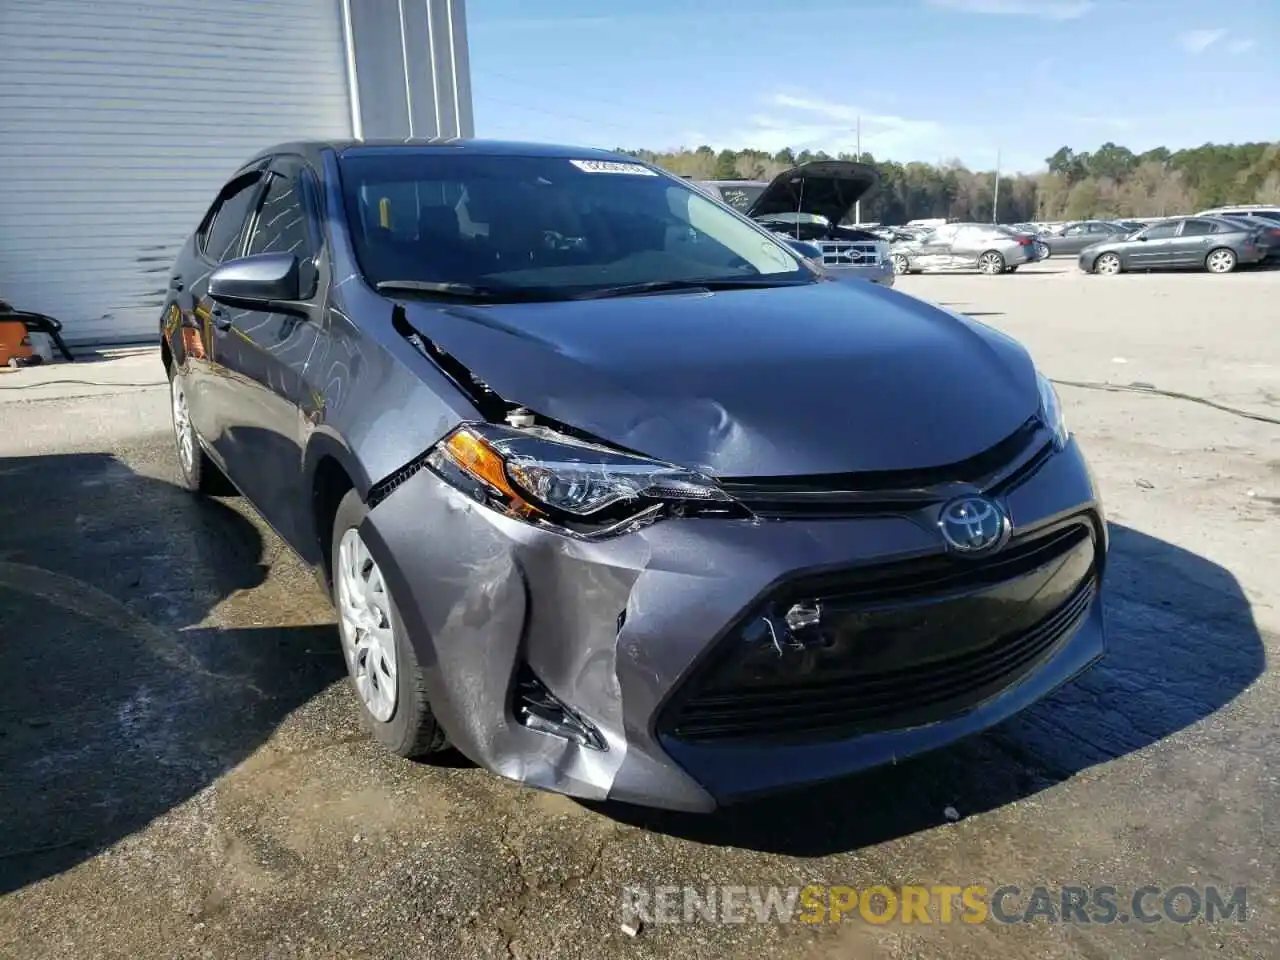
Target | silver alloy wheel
(368,635)
(1221,261)
(900,264)
(1042,251)
(1108,265)
(183,432)
(991,262)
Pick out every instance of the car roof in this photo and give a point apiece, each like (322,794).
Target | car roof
(312,150)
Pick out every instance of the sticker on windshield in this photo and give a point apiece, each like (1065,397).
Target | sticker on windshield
(613,166)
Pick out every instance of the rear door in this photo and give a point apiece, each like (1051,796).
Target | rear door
(265,354)
(219,238)
(1192,243)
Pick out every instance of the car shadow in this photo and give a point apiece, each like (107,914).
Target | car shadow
(1182,644)
(120,696)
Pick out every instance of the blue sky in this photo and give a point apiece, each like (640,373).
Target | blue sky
(931,79)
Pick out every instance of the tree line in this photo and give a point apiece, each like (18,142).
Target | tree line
(1111,181)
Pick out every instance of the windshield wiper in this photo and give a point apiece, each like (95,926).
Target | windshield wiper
(464,291)
(709,283)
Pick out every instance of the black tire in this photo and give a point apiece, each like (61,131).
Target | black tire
(201,475)
(412,731)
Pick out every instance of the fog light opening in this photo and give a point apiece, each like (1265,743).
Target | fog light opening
(537,708)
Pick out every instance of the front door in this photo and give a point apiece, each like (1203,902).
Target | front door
(265,355)
(935,249)
(1154,247)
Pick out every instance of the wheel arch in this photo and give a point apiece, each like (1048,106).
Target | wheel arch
(331,470)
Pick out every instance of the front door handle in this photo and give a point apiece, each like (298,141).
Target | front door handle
(220,318)
(175,284)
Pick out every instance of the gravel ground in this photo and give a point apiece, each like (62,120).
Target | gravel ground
(181,772)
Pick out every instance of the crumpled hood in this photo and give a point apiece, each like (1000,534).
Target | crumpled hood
(794,381)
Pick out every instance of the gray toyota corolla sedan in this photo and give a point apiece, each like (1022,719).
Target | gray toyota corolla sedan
(614,491)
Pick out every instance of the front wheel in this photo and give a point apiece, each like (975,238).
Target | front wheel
(991,263)
(1221,260)
(1108,265)
(1042,251)
(381,663)
(901,264)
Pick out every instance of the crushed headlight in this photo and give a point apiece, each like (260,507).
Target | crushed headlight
(544,476)
(1051,411)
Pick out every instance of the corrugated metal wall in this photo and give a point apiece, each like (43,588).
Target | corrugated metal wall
(119,120)
(412,67)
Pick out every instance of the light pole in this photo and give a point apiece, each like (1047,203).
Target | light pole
(857,204)
(995,193)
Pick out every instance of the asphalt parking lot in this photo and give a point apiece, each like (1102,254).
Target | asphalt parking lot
(181,773)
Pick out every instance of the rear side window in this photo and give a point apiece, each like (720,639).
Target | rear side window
(281,226)
(226,221)
(1197,228)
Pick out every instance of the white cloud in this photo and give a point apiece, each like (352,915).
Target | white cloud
(1042,9)
(1240,46)
(1198,41)
(805,123)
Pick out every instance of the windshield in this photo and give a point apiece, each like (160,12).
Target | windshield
(545,226)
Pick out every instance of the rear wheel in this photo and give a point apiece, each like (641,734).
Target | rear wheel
(1108,265)
(198,473)
(991,263)
(1221,260)
(380,659)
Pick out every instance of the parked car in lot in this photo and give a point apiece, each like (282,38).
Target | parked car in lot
(1267,212)
(1270,230)
(1215,244)
(1076,236)
(808,203)
(990,248)
(571,445)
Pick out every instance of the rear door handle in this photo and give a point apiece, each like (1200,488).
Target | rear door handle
(220,318)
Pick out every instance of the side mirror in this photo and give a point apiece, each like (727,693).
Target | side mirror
(257,282)
(808,250)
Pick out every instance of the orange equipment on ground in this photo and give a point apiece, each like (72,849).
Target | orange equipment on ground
(15,343)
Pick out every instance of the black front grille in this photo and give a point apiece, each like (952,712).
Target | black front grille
(899,646)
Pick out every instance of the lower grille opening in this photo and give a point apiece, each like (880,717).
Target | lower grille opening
(539,709)
(900,646)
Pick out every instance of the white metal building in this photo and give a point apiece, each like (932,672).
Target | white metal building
(120,119)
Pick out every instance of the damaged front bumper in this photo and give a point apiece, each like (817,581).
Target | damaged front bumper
(672,694)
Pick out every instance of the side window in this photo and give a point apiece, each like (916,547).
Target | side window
(226,221)
(1075,231)
(281,225)
(1197,228)
(1162,231)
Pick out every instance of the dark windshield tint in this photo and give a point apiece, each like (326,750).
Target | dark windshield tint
(557,226)
(740,196)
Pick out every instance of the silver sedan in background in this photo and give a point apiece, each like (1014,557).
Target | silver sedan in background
(989,248)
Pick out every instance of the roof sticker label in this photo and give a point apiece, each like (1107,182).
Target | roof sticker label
(613,166)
